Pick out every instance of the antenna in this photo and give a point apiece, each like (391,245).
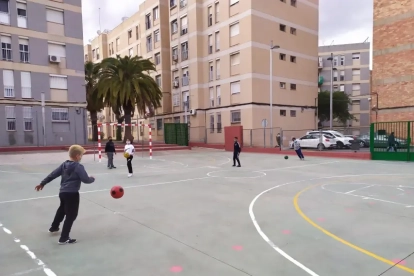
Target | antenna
(366,40)
(99,19)
(332,42)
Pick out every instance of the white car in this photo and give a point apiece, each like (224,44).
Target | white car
(341,140)
(316,141)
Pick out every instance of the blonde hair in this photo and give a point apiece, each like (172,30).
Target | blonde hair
(76,150)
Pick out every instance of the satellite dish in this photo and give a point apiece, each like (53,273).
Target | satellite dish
(98,32)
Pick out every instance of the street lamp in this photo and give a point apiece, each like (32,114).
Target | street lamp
(272,47)
(331,58)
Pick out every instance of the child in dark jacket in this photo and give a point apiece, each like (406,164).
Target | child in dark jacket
(73,174)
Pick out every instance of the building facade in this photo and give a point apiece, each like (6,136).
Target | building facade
(213,62)
(393,61)
(42,58)
(351,75)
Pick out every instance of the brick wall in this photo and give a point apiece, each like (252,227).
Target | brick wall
(393,59)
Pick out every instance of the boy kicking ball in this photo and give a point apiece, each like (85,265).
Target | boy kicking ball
(73,174)
(297,148)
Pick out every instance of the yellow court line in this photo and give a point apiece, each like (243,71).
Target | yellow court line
(326,232)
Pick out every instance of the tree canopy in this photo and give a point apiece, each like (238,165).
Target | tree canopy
(340,107)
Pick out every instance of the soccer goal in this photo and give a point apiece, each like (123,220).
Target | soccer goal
(100,126)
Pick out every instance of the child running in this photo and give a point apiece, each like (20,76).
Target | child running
(129,151)
(73,174)
(297,148)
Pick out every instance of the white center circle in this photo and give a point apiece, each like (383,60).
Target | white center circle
(235,174)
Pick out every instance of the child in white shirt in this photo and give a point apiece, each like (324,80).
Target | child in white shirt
(129,148)
(297,148)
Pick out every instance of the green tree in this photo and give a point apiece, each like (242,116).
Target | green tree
(340,107)
(125,83)
(94,101)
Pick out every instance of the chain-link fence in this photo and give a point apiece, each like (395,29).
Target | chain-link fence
(262,137)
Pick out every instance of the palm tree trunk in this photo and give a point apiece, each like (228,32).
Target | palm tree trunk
(119,120)
(128,119)
(94,121)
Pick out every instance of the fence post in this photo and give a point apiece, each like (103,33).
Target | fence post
(251,137)
(264,137)
(408,140)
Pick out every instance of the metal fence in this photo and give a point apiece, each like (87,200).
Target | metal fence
(262,137)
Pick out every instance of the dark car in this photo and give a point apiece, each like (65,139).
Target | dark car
(362,140)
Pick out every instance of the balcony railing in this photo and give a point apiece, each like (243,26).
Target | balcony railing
(8,91)
(184,55)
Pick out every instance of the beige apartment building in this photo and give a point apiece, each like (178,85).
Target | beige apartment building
(213,62)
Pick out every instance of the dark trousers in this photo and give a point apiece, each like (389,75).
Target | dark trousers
(69,207)
(300,154)
(110,159)
(392,146)
(129,163)
(236,158)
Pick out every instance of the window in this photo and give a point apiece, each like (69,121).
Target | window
(183,3)
(26,83)
(335,87)
(293,59)
(186,77)
(217,10)
(174,26)
(217,39)
(131,52)
(233,2)
(335,61)
(159,124)
(27,118)
(282,56)
(235,116)
(342,75)
(293,113)
(129,34)
(211,91)
(211,71)
(211,123)
(8,83)
(175,54)
(157,36)
(117,44)
(356,87)
(342,60)
(234,59)
(173,3)
(158,80)
(97,53)
(58,82)
(283,1)
(342,88)
(356,56)
(335,75)
(218,122)
(356,72)
(10,118)
(235,87)
(186,100)
(282,27)
(282,113)
(210,44)
(293,3)
(24,50)
(4,12)
(184,51)
(156,13)
(234,29)
(217,69)
(6,50)
(149,43)
(184,27)
(60,51)
(136,32)
(4,6)
(282,85)
(21,15)
(292,86)
(55,16)
(293,31)
(210,16)
(60,114)
(157,58)
(176,100)
(147,21)
(218,95)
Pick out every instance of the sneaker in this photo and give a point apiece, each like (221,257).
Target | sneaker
(130,174)
(238,165)
(234,166)
(68,241)
(113,167)
(53,230)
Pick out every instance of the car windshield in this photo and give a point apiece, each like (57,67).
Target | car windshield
(337,134)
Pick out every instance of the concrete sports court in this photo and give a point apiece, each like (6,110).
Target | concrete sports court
(190,213)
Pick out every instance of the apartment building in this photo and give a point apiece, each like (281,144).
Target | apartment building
(393,61)
(351,75)
(41,62)
(215,67)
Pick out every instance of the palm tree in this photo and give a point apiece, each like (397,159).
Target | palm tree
(125,83)
(94,101)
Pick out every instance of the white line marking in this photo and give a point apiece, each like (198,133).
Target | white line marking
(362,188)
(39,262)
(400,189)
(294,167)
(26,272)
(238,177)
(105,190)
(266,238)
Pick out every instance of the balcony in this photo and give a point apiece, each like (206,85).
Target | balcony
(22,21)
(185,81)
(4,18)
(184,29)
(184,55)
(8,91)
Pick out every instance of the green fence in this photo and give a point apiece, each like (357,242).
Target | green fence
(384,146)
(176,133)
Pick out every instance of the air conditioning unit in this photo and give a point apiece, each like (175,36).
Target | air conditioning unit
(193,111)
(54,59)
(175,58)
(175,84)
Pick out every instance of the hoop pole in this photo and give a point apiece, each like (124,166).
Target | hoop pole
(150,141)
(99,143)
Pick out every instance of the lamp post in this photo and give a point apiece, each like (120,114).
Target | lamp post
(376,106)
(272,47)
(331,94)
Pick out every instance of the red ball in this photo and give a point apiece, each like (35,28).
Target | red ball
(117,192)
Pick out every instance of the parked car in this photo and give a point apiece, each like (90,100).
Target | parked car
(315,141)
(362,140)
(341,140)
(381,141)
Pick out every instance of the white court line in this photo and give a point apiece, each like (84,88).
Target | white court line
(266,238)
(26,272)
(39,262)
(105,190)
(294,167)
(365,197)
(362,188)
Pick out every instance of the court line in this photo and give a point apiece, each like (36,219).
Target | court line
(42,265)
(362,188)
(294,167)
(105,190)
(326,232)
(267,239)
(26,272)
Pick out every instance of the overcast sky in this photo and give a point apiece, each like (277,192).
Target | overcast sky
(340,21)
